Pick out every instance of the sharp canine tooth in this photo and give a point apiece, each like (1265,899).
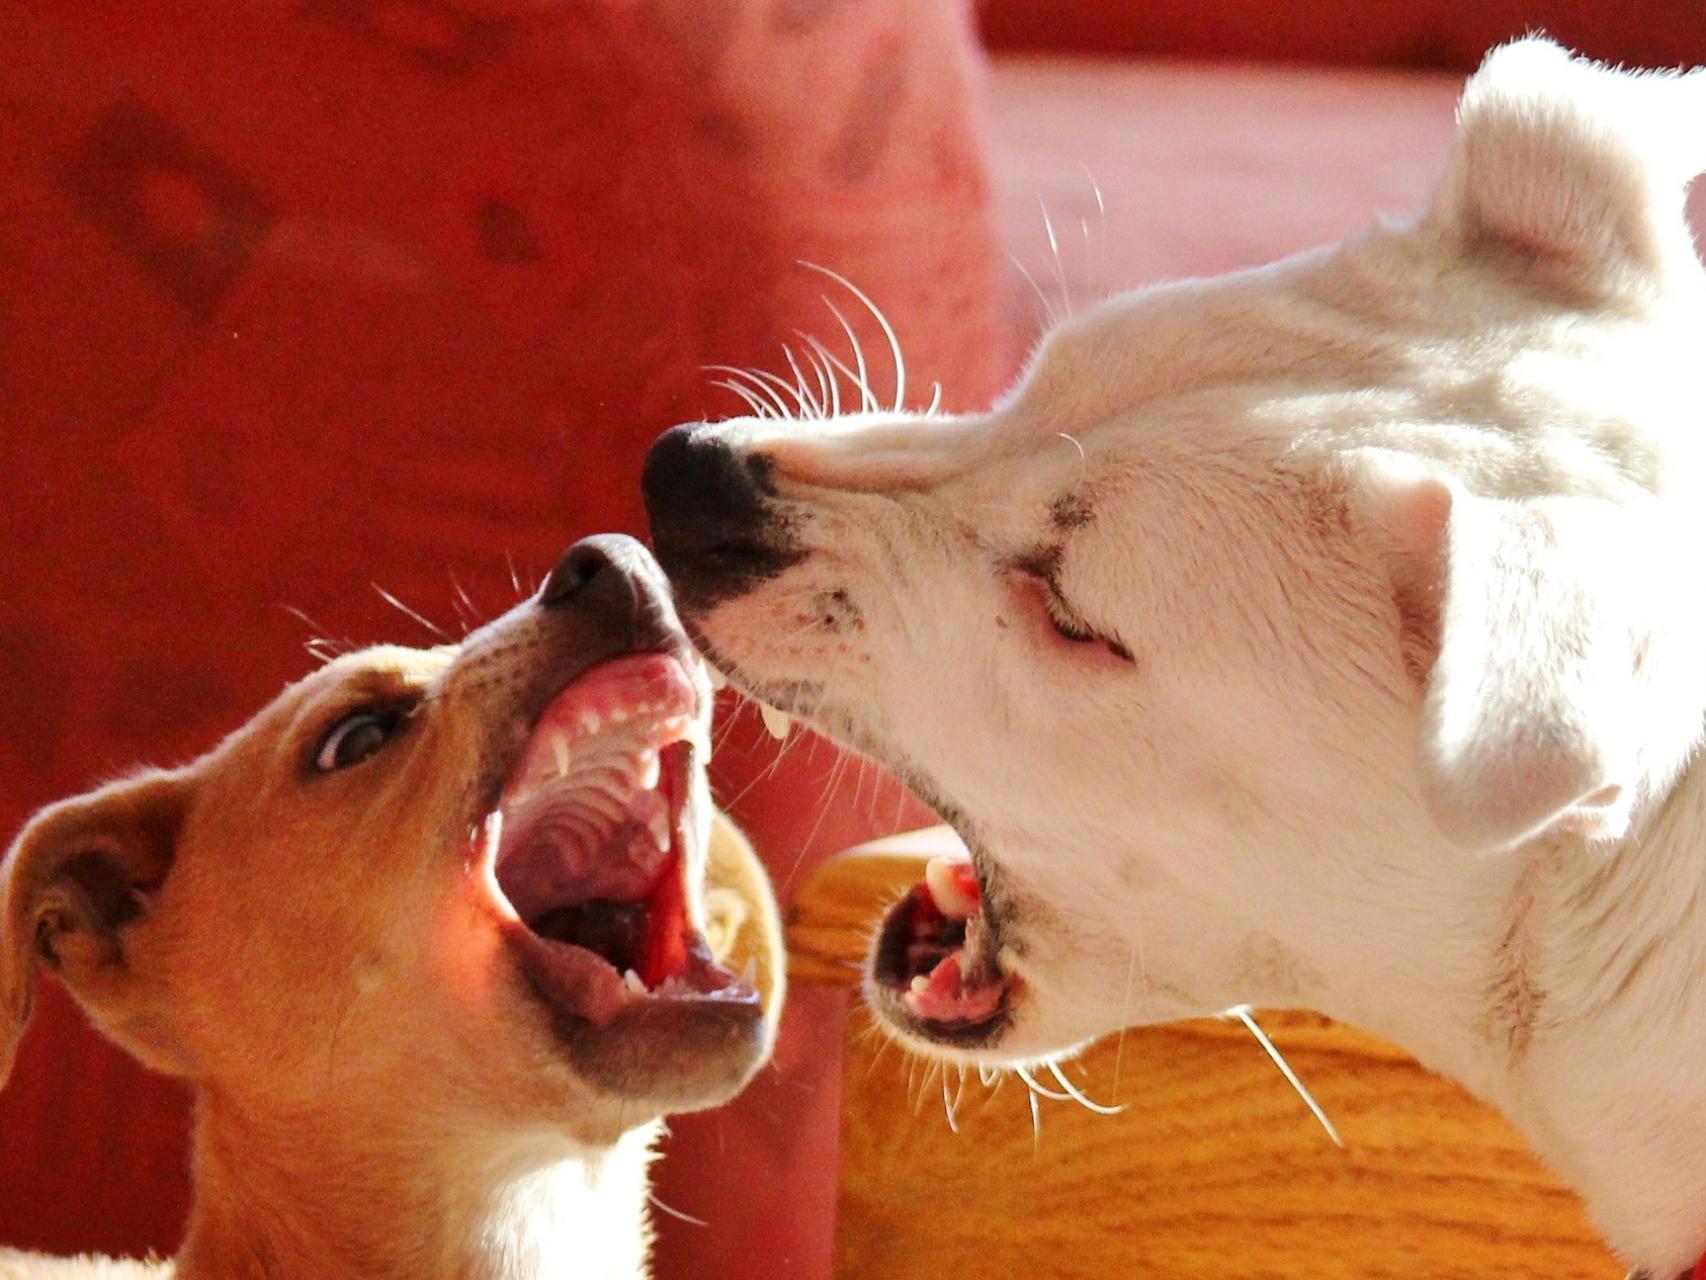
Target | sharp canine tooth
(631,980)
(560,749)
(946,878)
(749,972)
(776,721)
(919,985)
(650,768)
(718,679)
(659,824)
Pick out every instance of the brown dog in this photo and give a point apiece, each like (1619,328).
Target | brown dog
(438,937)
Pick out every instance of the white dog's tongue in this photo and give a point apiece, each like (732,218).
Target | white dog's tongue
(945,997)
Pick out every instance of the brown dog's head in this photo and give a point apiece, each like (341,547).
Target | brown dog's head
(472,883)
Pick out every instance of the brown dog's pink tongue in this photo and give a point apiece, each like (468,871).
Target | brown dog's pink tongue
(945,997)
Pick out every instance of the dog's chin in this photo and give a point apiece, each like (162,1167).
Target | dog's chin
(587,854)
(666,1057)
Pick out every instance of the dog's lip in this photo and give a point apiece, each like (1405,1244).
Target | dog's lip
(635,718)
(935,968)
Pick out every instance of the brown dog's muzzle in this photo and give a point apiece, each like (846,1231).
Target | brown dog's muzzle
(593,831)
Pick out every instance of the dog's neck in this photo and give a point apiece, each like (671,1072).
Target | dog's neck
(1582,1017)
(290,1198)
(1621,1031)
(1563,983)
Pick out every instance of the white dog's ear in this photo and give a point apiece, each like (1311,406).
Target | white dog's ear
(1562,162)
(1521,624)
(73,884)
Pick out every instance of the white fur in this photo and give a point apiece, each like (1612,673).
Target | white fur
(1403,536)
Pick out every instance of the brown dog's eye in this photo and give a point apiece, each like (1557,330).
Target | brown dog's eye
(355,738)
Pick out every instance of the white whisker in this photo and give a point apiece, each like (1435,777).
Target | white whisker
(1131,967)
(404,609)
(676,1213)
(826,358)
(828,392)
(862,380)
(1078,1095)
(758,382)
(1059,263)
(1096,187)
(1049,313)
(782,385)
(882,321)
(759,409)
(1036,1086)
(814,408)
(1243,1013)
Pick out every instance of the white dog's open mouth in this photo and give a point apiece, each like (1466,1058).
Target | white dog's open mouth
(589,845)
(936,967)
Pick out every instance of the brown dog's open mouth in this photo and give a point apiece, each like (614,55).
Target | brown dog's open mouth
(589,843)
(936,967)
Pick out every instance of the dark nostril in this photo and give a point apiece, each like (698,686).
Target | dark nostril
(581,566)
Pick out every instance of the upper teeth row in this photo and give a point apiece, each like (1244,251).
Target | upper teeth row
(647,764)
(591,721)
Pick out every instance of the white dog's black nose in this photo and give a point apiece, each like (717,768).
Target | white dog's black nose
(715,522)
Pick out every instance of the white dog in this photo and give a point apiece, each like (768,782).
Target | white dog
(1321,635)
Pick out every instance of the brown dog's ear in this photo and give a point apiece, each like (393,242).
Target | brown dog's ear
(1538,630)
(81,872)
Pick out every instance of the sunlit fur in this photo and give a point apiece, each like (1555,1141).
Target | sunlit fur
(1399,541)
(378,1094)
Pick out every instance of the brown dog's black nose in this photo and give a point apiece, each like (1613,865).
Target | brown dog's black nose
(713,515)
